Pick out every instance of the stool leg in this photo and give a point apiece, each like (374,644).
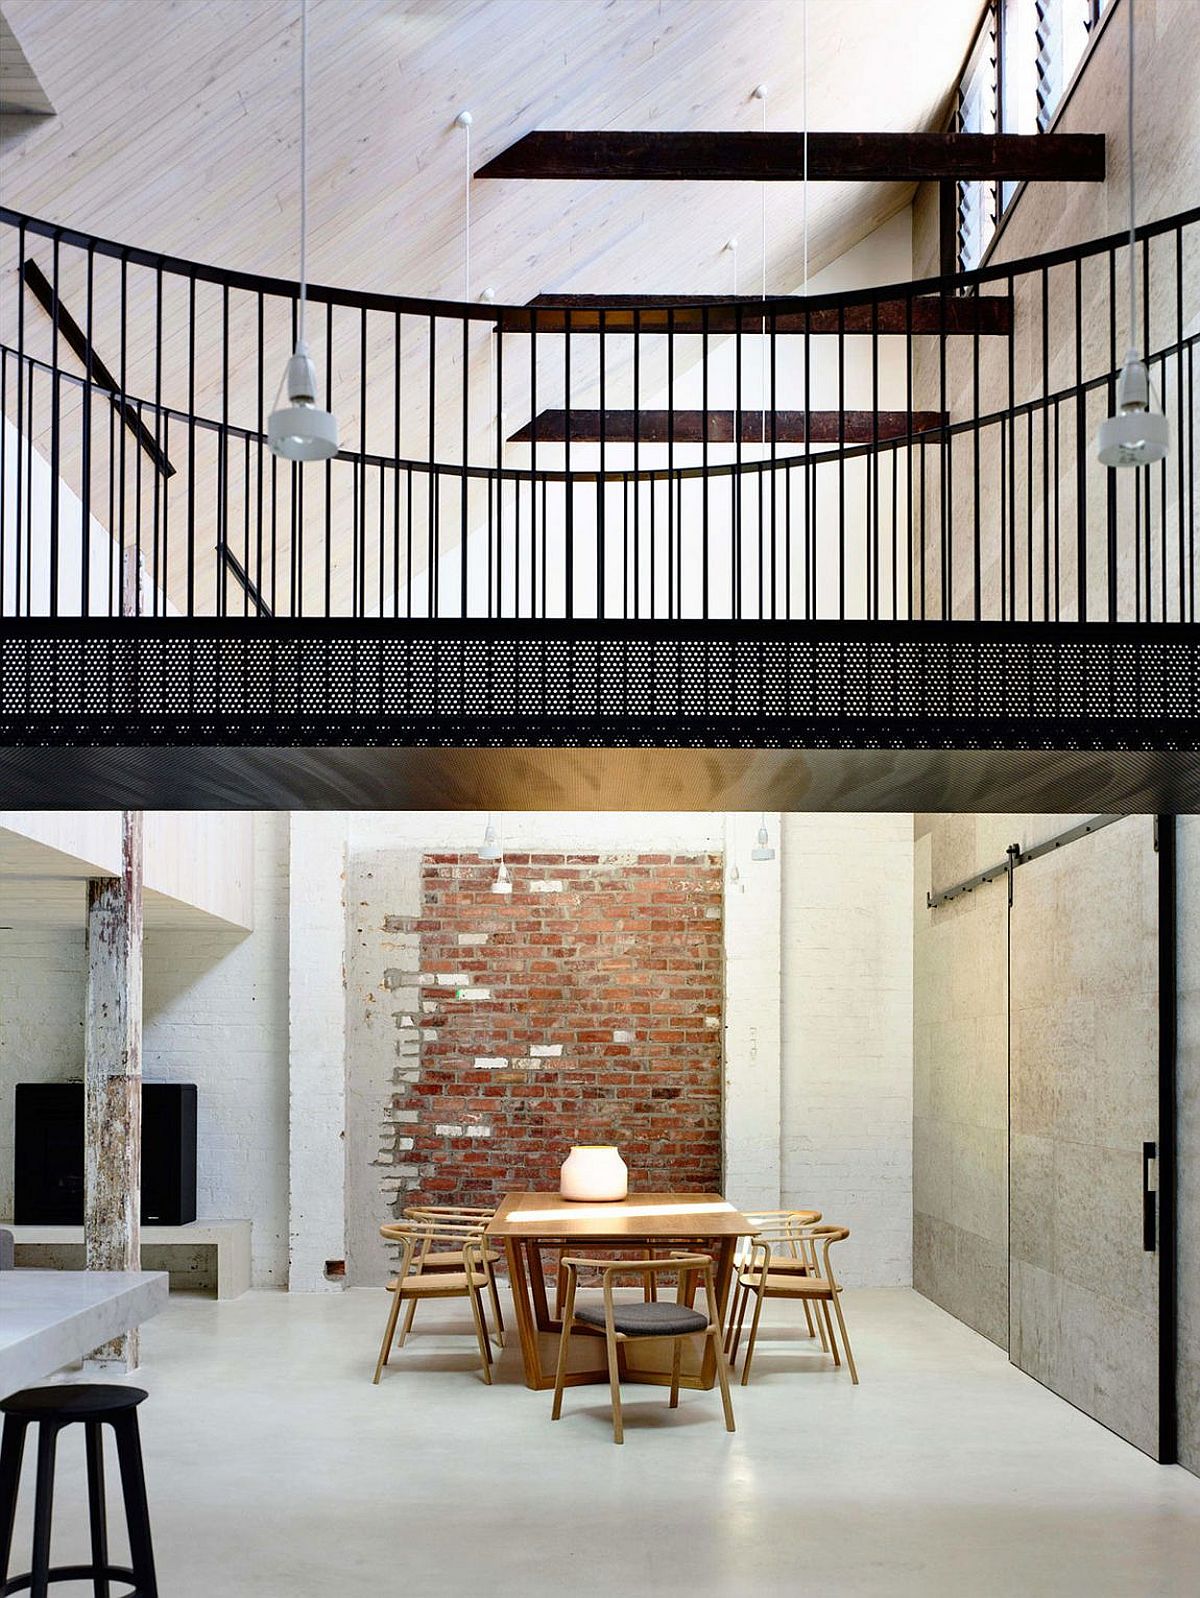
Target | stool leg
(43,1509)
(97,1512)
(12,1450)
(137,1513)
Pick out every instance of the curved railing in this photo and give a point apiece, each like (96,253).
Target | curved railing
(917,451)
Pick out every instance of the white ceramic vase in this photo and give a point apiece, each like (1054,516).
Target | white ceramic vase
(594,1173)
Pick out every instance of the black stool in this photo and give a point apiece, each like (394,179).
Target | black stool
(50,1409)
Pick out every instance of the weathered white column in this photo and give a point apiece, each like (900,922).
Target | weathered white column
(317,1052)
(112,1055)
(753,1033)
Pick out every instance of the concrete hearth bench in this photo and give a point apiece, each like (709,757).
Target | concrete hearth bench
(188,1252)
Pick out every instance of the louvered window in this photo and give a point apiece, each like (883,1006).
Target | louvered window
(1025,56)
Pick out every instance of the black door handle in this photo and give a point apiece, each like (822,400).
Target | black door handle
(1149,1197)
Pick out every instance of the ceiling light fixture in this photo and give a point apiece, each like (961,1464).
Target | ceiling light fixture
(762,849)
(490,849)
(1136,435)
(503,882)
(300,430)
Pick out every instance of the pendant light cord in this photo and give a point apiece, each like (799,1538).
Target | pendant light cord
(301,344)
(804,125)
(1134,342)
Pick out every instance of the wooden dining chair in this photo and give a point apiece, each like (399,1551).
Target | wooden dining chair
(781,1228)
(816,1285)
(472,1220)
(629,1322)
(467,1282)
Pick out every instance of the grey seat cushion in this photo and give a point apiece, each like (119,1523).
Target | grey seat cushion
(646,1320)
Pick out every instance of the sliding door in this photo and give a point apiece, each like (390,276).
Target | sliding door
(1085,1235)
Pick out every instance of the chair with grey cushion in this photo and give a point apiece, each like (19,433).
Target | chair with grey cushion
(630,1322)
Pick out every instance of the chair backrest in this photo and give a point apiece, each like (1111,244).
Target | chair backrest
(815,1242)
(417,1238)
(685,1265)
(779,1228)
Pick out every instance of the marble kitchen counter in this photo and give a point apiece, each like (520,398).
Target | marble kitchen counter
(50,1318)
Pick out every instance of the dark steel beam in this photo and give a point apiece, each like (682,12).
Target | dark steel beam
(725,427)
(695,313)
(780,157)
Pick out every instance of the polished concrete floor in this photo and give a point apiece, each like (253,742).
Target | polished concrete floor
(276,1470)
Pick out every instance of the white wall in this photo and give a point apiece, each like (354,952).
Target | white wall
(847,1033)
(215,1013)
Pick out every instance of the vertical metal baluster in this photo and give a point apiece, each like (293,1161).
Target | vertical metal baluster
(1111,477)
(246,530)
(158,561)
(735,480)
(431,543)
(1145,288)
(261,385)
(397,389)
(873,549)
(705,485)
(671,462)
(55,437)
(328,483)
(464,480)
(602,342)
(774,457)
(124,433)
(533,483)
(1179,434)
(809,477)
(841,375)
(1057,480)
(1029,515)
(1081,523)
(637,452)
(1045,444)
(191,450)
(568,487)
(908,453)
(497,400)
(21,419)
(1011,426)
(4,472)
(85,592)
(978,552)
(944,453)
(358,605)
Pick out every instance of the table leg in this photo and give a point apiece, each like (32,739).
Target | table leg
(537,1284)
(526,1327)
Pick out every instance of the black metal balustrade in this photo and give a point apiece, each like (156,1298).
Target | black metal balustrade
(871,469)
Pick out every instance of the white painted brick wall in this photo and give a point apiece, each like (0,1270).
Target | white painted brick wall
(215,1013)
(317,1049)
(847,1033)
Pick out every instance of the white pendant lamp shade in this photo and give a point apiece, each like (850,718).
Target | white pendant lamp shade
(300,430)
(503,882)
(489,849)
(762,849)
(1136,435)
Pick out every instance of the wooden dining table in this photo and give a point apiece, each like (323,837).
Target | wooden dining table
(644,1223)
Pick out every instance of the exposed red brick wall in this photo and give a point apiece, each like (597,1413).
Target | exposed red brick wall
(620,970)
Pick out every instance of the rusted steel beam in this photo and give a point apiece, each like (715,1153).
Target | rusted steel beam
(112,1070)
(788,157)
(722,427)
(985,314)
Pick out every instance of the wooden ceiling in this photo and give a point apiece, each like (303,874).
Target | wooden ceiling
(181,136)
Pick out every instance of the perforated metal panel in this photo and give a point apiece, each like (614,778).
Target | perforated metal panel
(852,685)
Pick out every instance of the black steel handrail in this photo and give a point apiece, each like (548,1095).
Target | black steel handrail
(362,299)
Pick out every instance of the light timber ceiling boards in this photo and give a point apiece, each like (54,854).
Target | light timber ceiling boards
(187,143)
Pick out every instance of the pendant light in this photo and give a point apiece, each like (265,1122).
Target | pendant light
(1136,435)
(762,849)
(503,882)
(299,429)
(490,849)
